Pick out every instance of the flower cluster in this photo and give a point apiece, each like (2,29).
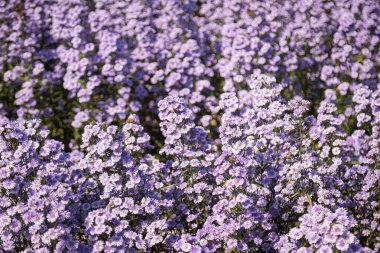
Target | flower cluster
(273,179)
(82,61)
(189,126)
(322,231)
(35,190)
(118,195)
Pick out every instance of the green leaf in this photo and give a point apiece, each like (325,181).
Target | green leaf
(309,199)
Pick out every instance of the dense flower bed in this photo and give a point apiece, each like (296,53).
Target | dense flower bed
(189,126)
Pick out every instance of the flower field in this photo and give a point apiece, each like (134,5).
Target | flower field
(190,126)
